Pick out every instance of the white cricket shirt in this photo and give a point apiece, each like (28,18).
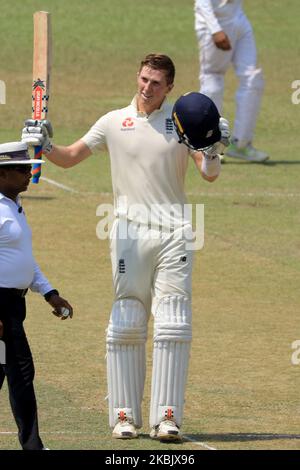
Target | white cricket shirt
(212,14)
(148,165)
(18,268)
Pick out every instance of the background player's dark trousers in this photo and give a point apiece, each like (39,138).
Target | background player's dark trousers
(19,369)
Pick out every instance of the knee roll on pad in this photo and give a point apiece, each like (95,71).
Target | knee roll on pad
(172,319)
(126,362)
(128,322)
(172,338)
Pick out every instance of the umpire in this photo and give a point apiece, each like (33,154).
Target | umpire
(18,273)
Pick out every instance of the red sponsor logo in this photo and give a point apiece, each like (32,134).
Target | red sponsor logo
(128,122)
(38,98)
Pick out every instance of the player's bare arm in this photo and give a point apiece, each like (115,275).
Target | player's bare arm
(205,168)
(39,133)
(68,156)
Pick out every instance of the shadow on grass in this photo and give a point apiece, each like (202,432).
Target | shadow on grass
(241,437)
(41,198)
(267,163)
(147,437)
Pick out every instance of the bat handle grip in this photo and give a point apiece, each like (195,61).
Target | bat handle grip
(37,167)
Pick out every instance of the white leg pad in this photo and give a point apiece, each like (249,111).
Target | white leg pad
(172,339)
(126,363)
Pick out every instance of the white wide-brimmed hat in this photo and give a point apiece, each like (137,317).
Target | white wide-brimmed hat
(16,153)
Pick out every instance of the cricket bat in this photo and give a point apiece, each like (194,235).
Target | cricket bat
(42,58)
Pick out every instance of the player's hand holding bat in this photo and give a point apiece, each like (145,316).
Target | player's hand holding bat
(38,133)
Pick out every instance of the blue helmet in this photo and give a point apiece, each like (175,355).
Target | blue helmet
(196,120)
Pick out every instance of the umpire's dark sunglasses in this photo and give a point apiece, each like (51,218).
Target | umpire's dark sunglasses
(20,168)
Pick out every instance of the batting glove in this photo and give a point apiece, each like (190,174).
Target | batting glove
(219,147)
(38,133)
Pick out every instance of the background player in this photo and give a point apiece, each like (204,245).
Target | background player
(225,37)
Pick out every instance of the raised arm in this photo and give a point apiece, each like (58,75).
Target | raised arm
(40,132)
(68,156)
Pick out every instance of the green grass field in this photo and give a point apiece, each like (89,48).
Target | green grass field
(243,390)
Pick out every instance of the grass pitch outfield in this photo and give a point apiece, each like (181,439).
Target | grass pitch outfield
(243,390)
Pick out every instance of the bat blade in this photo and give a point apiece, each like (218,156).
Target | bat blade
(42,61)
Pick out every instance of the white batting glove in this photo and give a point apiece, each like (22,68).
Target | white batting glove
(219,147)
(38,133)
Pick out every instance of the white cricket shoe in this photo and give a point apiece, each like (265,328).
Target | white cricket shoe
(248,153)
(166,431)
(124,430)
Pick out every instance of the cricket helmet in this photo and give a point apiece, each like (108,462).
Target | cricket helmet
(196,120)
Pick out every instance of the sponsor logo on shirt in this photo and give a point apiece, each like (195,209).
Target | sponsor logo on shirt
(128,124)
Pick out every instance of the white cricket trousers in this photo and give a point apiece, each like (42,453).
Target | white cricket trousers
(215,62)
(152,272)
(150,264)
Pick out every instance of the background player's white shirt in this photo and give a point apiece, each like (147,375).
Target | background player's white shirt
(148,165)
(214,13)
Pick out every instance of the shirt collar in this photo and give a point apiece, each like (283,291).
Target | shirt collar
(156,111)
(2,196)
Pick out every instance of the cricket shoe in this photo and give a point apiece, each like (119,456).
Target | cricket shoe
(124,429)
(248,153)
(166,431)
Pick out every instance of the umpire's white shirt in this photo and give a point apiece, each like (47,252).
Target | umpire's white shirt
(18,268)
(148,165)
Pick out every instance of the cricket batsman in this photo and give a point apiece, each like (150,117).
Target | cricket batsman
(150,143)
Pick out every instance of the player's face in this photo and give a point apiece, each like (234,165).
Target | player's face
(152,89)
